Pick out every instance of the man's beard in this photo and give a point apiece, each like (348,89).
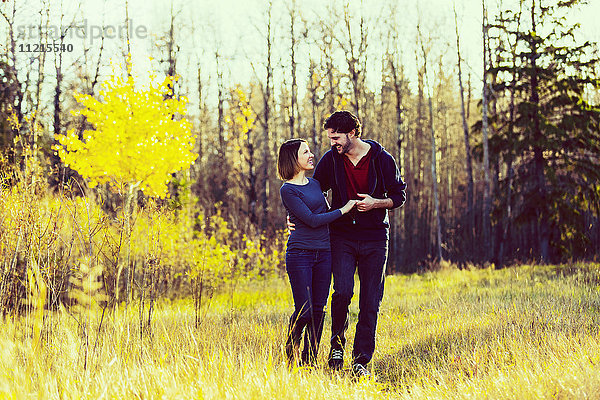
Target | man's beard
(343,149)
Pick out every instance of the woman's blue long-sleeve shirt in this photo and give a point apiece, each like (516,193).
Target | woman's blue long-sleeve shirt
(307,208)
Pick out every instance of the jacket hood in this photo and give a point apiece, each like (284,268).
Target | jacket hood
(376,147)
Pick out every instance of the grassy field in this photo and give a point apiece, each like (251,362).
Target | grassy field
(526,332)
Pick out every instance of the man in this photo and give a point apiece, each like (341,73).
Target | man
(357,169)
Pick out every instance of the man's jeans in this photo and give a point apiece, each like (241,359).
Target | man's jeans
(309,272)
(370,258)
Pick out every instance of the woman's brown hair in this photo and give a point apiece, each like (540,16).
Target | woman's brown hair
(287,160)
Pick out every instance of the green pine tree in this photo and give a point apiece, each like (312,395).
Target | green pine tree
(546,128)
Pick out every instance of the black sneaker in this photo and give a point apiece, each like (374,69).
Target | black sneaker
(336,359)
(360,371)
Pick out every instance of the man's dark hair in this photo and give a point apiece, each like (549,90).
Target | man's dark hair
(287,160)
(343,122)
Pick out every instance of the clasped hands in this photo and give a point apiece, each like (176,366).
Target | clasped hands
(366,204)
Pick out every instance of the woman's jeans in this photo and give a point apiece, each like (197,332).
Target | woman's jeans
(309,272)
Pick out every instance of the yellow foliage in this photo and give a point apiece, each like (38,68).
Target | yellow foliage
(241,121)
(212,253)
(139,136)
(212,260)
(71,239)
(13,120)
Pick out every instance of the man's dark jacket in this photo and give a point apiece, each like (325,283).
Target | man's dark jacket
(384,182)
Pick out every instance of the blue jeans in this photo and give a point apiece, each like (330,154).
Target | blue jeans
(309,272)
(370,258)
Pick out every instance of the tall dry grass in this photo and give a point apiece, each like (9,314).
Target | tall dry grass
(206,313)
(524,332)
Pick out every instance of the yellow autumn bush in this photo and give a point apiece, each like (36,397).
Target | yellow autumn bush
(211,253)
(139,136)
(59,233)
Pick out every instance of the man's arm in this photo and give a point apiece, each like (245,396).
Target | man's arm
(395,186)
(368,203)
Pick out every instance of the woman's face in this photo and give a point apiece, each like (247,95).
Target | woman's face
(305,157)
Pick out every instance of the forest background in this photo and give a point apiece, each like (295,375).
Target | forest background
(491,110)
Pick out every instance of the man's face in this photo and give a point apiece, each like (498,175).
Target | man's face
(340,142)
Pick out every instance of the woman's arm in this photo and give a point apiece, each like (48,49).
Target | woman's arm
(296,206)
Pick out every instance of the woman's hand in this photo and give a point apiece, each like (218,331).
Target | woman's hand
(348,206)
(291,226)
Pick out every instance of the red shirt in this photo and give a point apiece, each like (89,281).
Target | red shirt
(357,176)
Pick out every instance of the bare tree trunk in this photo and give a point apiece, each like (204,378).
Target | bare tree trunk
(220,106)
(333,89)
(400,139)
(399,108)
(436,203)
(249,155)
(172,50)
(127,39)
(539,162)
(487,201)
(294,114)
(507,223)
(59,173)
(57,105)
(495,229)
(313,86)
(469,94)
(201,107)
(445,171)
(221,176)
(468,161)
(267,93)
(92,85)
(356,60)
(13,154)
(327,52)
(41,61)
(408,217)
(416,236)
(98,64)
(252,179)
(505,240)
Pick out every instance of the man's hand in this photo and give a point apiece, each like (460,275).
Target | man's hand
(291,226)
(368,203)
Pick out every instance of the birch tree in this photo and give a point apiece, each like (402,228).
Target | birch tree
(487,199)
(465,126)
(436,202)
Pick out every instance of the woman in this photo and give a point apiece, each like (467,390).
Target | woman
(308,256)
